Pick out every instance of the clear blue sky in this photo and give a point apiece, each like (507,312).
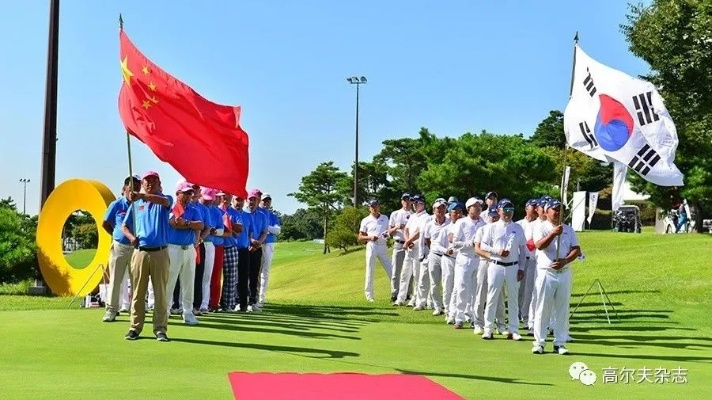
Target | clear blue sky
(452,67)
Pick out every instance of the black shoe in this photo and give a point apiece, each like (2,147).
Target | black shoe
(162,337)
(132,335)
(394,298)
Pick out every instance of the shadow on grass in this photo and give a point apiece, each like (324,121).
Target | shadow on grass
(281,321)
(680,358)
(594,292)
(669,342)
(298,351)
(472,377)
(334,313)
(258,326)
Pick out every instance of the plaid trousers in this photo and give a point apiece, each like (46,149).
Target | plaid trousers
(228,299)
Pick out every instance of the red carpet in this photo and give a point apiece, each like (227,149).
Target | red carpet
(344,386)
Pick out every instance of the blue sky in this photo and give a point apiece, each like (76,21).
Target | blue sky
(470,65)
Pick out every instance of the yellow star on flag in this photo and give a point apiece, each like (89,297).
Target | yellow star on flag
(146,104)
(152,86)
(126,71)
(144,70)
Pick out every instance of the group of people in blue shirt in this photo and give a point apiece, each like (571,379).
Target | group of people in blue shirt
(201,238)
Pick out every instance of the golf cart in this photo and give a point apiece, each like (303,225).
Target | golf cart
(627,219)
(670,220)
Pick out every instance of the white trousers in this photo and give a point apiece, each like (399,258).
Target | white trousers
(126,293)
(553,291)
(182,263)
(119,261)
(526,291)
(447,264)
(477,309)
(464,284)
(397,260)
(267,253)
(411,268)
(208,265)
(431,289)
(375,251)
(498,277)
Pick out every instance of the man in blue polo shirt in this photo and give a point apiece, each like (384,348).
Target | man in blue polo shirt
(233,225)
(273,229)
(257,239)
(204,266)
(121,249)
(149,236)
(242,242)
(184,222)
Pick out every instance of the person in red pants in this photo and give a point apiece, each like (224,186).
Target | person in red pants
(216,237)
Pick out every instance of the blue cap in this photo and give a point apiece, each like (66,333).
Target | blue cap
(543,200)
(505,203)
(455,205)
(553,203)
(492,211)
(372,202)
(417,198)
(532,202)
(405,196)
(452,199)
(491,194)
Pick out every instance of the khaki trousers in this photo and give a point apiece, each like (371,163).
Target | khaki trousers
(119,263)
(153,264)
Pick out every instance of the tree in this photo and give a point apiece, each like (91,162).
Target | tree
(18,259)
(86,235)
(550,131)
(674,36)
(303,224)
(345,232)
(321,191)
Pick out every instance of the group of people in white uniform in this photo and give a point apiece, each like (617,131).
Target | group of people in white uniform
(464,260)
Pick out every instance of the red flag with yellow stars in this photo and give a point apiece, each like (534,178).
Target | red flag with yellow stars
(201,140)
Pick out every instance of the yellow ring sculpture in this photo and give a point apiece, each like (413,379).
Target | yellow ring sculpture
(70,196)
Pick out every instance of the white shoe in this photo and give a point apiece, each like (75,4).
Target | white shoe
(537,350)
(514,336)
(450,321)
(487,335)
(438,311)
(256,307)
(249,309)
(562,350)
(478,330)
(418,308)
(370,300)
(190,319)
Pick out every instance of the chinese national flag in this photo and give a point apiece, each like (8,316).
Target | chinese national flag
(200,139)
(178,210)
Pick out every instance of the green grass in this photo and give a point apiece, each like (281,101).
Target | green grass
(80,258)
(318,321)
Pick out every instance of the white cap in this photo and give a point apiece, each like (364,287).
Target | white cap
(473,200)
(266,196)
(439,202)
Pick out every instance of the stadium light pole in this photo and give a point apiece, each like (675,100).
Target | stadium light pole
(24,182)
(354,80)
(49,143)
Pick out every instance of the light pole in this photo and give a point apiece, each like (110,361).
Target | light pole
(24,195)
(358,82)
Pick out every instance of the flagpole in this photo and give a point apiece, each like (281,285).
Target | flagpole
(566,147)
(128,150)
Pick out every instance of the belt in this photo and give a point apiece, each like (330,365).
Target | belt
(154,248)
(441,254)
(504,264)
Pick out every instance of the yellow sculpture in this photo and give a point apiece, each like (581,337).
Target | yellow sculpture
(70,196)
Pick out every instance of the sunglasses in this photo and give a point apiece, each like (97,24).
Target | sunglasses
(508,210)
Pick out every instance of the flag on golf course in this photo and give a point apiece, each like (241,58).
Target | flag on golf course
(201,140)
(612,116)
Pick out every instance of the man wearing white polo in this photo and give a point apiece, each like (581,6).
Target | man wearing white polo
(505,246)
(557,247)
(274,228)
(397,221)
(467,261)
(411,263)
(374,231)
(435,235)
(184,223)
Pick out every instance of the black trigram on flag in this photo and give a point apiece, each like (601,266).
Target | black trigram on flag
(644,160)
(586,132)
(644,108)
(588,84)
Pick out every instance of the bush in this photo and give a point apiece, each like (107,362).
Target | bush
(344,233)
(18,257)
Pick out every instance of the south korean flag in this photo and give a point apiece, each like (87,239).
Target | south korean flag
(612,116)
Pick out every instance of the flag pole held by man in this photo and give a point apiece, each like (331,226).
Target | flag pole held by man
(612,116)
(201,140)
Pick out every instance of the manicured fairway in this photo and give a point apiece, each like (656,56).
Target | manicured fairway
(318,321)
